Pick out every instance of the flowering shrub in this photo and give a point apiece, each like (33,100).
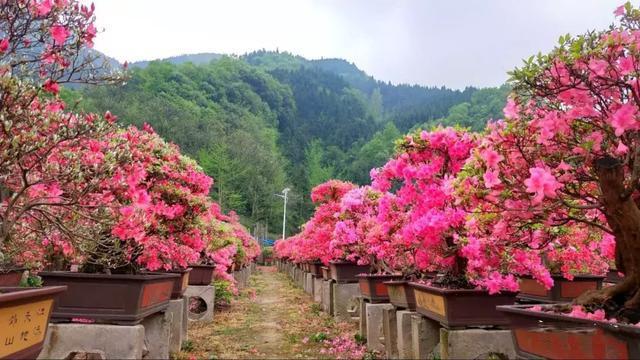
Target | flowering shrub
(421,220)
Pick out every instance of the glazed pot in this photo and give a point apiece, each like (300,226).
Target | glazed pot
(563,290)
(315,268)
(113,299)
(180,283)
(345,272)
(461,307)
(543,335)
(11,277)
(24,315)
(373,287)
(401,294)
(201,275)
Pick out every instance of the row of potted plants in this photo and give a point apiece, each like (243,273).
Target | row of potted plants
(540,206)
(111,219)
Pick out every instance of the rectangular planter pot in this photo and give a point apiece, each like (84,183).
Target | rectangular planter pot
(345,272)
(180,283)
(11,277)
(563,290)
(461,307)
(316,268)
(326,273)
(401,294)
(540,335)
(24,315)
(373,287)
(113,299)
(201,274)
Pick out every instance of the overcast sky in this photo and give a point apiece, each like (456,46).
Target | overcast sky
(429,42)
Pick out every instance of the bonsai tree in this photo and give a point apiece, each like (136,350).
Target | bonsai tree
(558,179)
(422,220)
(357,235)
(47,154)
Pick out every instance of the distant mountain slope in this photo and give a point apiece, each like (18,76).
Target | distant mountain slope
(198,59)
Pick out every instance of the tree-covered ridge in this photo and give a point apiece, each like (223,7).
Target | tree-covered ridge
(268,120)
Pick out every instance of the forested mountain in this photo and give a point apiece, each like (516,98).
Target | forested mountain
(267,120)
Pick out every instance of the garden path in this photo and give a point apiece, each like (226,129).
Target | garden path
(270,319)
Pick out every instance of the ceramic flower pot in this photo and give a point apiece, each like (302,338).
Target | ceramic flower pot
(563,290)
(373,287)
(24,315)
(461,307)
(345,272)
(548,335)
(201,274)
(112,299)
(401,294)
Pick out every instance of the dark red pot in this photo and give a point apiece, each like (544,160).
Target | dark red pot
(114,299)
(180,284)
(345,272)
(401,294)
(461,307)
(563,290)
(201,274)
(541,335)
(315,268)
(24,315)
(11,277)
(373,287)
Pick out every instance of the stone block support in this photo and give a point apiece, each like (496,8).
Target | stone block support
(390,332)
(475,344)
(96,341)
(327,296)
(425,336)
(176,308)
(374,326)
(345,301)
(405,337)
(205,297)
(317,289)
(157,335)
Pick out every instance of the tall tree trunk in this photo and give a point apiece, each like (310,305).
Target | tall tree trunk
(623,217)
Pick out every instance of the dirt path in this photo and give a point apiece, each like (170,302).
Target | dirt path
(270,319)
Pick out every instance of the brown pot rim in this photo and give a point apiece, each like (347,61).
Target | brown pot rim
(575,277)
(377,276)
(201,266)
(18,293)
(446,291)
(137,277)
(345,263)
(523,310)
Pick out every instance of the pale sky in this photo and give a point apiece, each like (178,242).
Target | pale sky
(428,42)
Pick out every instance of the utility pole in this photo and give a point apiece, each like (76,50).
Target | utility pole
(284,214)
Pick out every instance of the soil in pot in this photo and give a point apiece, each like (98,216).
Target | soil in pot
(461,307)
(563,290)
(373,287)
(550,334)
(401,294)
(24,315)
(113,299)
(201,275)
(345,272)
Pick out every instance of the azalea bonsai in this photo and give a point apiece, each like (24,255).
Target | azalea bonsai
(422,220)
(47,154)
(558,179)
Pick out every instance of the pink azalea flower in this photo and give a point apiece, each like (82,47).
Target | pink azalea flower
(542,183)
